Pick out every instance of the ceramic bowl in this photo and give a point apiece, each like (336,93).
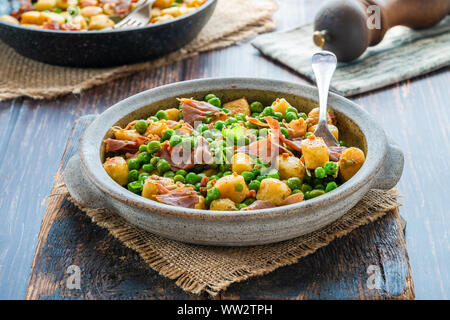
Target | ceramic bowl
(103,48)
(90,185)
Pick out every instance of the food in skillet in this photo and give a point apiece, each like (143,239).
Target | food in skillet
(75,15)
(235,156)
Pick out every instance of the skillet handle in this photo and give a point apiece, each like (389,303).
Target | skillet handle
(82,190)
(392,169)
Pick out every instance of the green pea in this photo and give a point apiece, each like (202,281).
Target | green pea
(316,193)
(227,173)
(306,187)
(319,186)
(197,186)
(163,166)
(273,173)
(214,193)
(161,114)
(133,175)
(256,106)
(169,174)
(215,102)
(261,178)
(241,206)
(230,121)
(134,164)
(291,116)
(285,132)
(303,115)
(330,167)
(320,173)
(154,146)
(294,183)
(141,126)
(209,96)
(256,171)
(254,185)
(153,118)
(308,134)
(167,134)
(263,132)
(248,176)
(342,143)
(331,186)
(175,140)
(143,148)
(268,111)
(218,125)
(143,177)
(219,175)
(278,115)
(307,195)
(154,161)
(192,178)
(144,157)
(148,167)
(249,201)
(178,177)
(238,187)
(181,172)
(296,191)
(255,114)
(291,109)
(241,117)
(202,127)
(135,187)
(225,110)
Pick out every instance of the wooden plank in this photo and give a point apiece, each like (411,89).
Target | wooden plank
(109,270)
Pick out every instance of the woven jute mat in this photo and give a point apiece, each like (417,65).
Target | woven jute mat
(232,21)
(197,269)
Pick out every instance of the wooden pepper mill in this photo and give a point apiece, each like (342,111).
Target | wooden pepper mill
(347,27)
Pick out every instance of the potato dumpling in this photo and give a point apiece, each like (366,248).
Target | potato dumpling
(64,4)
(315,152)
(334,130)
(273,190)
(313,117)
(238,106)
(42,5)
(173,114)
(222,205)
(150,189)
(350,161)
(32,17)
(100,22)
(232,187)
(201,203)
(117,169)
(156,128)
(163,3)
(289,167)
(280,105)
(9,19)
(126,134)
(241,162)
(51,16)
(90,11)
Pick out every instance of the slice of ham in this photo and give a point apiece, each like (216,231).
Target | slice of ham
(181,158)
(258,122)
(260,204)
(296,128)
(335,152)
(122,6)
(293,198)
(181,197)
(196,111)
(51,25)
(114,145)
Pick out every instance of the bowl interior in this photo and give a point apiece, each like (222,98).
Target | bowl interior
(349,131)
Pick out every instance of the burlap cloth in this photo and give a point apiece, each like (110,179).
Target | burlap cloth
(232,21)
(198,269)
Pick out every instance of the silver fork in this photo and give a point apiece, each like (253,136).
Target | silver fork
(140,16)
(324,64)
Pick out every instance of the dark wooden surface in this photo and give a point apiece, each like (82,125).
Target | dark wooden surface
(109,270)
(416,113)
